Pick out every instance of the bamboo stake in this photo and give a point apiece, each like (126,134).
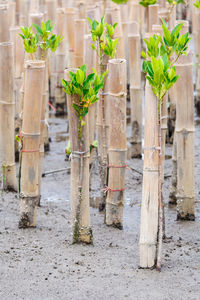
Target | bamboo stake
(135,94)
(185,140)
(4,23)
(18,70)
(103,134)
(61,62)
(11,10)
(149,210)
(70,13)
(7,111)
(173,191)
(34,78)
(116,18)
(81,229)
(117,142)
(80,29)
(152,16)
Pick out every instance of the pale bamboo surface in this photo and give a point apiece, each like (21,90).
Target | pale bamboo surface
(7,114)
(80,30)
(71,15)
(4,23)
(34,77)
(117,142)
(116,18)
(79,198)
(149,209)
(152,16)
(185,139)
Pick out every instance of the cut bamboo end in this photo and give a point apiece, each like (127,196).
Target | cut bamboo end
(28,212)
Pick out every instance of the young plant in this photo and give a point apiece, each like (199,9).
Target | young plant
(161,74)
(86,89)
(197,4)
(30,40)
(102,34)
(48,39)
(44,39)
(172,5)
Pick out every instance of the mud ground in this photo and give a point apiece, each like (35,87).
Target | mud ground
(41,263)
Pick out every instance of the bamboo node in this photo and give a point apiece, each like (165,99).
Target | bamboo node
(6,103)
(119,167)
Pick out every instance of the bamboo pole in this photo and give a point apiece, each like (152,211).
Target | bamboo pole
(23,12)
(12,13)
(34,80)
(18,70)
(117,142)
(149,210)
(152,16)
(103,134)
(173,191)
(135,94)
(7,111)
(116,18)
(80,210)
(61,62)
(36,18)
(80,29)
(185,140)
(4,23)
(34,6)
(70,13)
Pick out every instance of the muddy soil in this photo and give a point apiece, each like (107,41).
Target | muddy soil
(41,263)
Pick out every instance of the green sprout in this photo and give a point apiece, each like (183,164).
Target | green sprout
(197,4)
(102,35)
(30,40)
(86,89)
(146,3)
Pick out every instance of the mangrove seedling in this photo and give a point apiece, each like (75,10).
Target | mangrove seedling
(83,91)
(161,75)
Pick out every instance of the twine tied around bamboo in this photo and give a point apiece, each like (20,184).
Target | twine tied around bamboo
(22,134)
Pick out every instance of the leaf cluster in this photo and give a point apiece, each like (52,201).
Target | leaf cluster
(86,89)
(44,38)
(120,1)
(197,4)
(30,40)
(158,64)
(49,40)
(102,33)
(146,3)
(175,2)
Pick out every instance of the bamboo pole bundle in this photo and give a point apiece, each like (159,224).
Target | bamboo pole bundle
(4,23)
(80,30)
(30,135)
(185,140)
(70,13)
(7,111)
(90,62)
(61,62)
(18,70)
(117,143)
(135,94)
(79,198)
(149,209)
(116,18)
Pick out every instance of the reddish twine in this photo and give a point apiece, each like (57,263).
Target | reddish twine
(119,167)
(52,106)
(108,189)
(27,151)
